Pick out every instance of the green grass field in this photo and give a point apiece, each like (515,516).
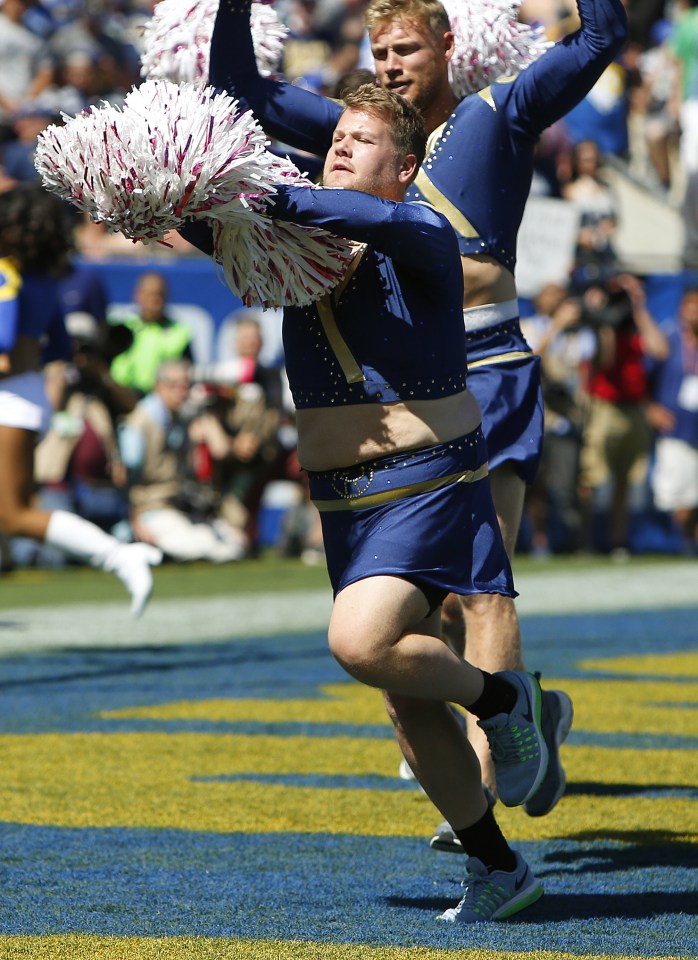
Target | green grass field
(267,573)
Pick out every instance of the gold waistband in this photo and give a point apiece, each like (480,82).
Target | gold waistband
(501,358)
(400,493)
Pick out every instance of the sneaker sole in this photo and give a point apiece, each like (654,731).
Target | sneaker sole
(444,844)
(527,897)
(562,730)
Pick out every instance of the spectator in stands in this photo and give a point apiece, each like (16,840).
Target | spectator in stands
(156,337)
(594,200)
(78,461)
(28,122)
(240,430)
(169,507)
(684,46)
(566,346)
(617,440)
(80,82)
(674,415)
(102,33)
(324,41)
(653,112)
(27,65)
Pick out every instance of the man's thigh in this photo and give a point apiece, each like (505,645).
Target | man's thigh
(381,609)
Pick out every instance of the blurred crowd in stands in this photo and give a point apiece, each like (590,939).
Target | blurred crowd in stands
(153,442)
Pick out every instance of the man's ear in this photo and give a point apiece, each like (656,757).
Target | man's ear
(448,45)
(408,168)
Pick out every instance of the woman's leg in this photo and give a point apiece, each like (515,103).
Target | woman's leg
(78,537)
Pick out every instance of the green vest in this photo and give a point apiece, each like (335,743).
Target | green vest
(153,343)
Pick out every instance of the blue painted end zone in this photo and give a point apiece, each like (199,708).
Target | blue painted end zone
(337,889)
(634,895)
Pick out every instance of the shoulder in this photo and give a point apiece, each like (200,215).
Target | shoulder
(422,210)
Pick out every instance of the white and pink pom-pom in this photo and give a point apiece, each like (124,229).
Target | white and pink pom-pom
(272,263)
(490,43)
(177,38)
(174,153)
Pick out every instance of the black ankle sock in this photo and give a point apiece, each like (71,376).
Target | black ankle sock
(485,841)
(497,696)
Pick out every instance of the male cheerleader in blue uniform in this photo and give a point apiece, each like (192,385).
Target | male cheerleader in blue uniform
(390,437)
(478,173)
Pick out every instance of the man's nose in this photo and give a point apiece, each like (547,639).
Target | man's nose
(393,63)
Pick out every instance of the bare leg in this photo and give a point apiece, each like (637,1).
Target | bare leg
(67,531)
(493,635)
(380,633)
(17,515)
(433,743)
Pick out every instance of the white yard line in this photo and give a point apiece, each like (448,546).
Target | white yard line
(192,620)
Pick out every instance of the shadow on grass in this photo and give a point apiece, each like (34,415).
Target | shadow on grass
(591,789)
(635,849)
(579,906)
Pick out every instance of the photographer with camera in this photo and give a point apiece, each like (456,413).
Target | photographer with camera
(566,344)
(77,463)
(617,438)
(170,508)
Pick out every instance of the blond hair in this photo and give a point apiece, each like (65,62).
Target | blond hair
(430,12)
(406,124)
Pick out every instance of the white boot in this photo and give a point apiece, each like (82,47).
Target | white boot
(130,562)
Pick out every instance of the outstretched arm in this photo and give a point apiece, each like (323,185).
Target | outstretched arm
(296,117)
(549,88)
(410,233)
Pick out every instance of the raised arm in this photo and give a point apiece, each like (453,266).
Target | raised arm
(549,88)
(296,117)
(412,234)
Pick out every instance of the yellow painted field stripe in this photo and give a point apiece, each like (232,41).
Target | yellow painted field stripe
(80,947)
(187,781)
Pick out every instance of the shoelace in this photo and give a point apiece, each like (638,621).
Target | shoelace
(482,895)
(511,744)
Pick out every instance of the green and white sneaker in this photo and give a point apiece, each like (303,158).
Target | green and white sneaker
(516,741)
(556,713)
(494,896)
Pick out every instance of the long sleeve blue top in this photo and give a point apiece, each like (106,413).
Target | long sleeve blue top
(393,329)
(480,162)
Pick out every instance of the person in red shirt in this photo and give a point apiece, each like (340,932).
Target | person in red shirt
(617,437)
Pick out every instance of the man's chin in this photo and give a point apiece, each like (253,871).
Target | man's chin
(338,178)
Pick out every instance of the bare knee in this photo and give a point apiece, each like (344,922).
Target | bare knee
(353,651)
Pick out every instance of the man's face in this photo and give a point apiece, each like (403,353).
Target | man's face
(410,61)
(363,156)
(151,297)
(173,390)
